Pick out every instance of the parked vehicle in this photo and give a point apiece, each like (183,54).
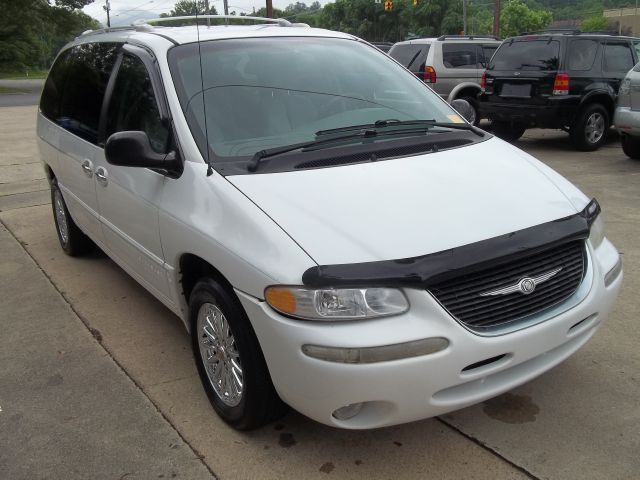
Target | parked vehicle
(451,64)
(557,80)
(343,244)
(627,115)
(384,46)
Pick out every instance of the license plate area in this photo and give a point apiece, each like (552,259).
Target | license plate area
(517,90)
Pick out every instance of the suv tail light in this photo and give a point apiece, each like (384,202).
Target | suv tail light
(483,82)
(429,75)
(561,84)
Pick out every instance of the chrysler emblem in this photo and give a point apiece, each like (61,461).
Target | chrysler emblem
(525,286)
(517,74)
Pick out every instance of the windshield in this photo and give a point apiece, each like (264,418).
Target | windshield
(539,54)
(261,93)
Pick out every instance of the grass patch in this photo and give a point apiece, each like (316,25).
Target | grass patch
(23,75)
(4,90)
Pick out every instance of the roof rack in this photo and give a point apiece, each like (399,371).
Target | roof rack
(138,28)
(467,37)
(281,22)
(552,31)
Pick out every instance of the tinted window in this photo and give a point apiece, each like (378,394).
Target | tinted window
(487,52)
(52,92)
(582,54)
(636,46)
(133,104)
(526,55)
(88,69)
(411,56)
(618,57)
(459,55)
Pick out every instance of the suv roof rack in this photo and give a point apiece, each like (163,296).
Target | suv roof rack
(137,28)
(554,31)
(281,22)
(467,37)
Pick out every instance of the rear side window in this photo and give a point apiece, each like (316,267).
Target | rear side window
(88,69)
(411,56)
(582,54)
(459,55)
(133,104)
(533,55)
(618,57)
(52,92)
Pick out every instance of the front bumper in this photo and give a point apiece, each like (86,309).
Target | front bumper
(410,389)
(555,112)
(627,121)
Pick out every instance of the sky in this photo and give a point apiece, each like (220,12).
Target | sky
(125,12)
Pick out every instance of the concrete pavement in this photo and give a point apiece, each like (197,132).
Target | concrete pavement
(580,420)
(24,92)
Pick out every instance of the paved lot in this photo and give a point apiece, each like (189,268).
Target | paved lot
(127,378)
(24,92)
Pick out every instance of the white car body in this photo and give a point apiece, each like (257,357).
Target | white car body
(268,229)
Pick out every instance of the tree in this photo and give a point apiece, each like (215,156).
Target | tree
(187,8)
(595,24)
(517,18)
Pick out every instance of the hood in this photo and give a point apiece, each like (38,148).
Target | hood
(410,206)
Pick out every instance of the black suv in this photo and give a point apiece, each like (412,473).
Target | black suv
(553,80)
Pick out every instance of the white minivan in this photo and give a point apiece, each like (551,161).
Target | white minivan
(330,231)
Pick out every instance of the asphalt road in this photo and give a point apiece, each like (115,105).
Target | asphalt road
(123,400)
(27,92)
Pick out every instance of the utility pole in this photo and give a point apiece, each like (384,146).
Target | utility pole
(496,18)
(269,9)
(107,7)
(226,7)
(464,17)
(206,11)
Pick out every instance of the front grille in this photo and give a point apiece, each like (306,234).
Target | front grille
(461,295)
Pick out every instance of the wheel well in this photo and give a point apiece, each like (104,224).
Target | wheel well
(193,268)
(604,100)
(467,92)
(49,173)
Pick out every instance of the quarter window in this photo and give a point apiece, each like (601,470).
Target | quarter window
(133,104)
(582,54)
(618,57)
(88,68)
(459,55)
(53,87)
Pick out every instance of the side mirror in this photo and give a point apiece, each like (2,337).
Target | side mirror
(133,149)
(465,109)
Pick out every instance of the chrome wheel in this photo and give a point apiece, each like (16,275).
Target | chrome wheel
(594,129)
(219,354)
(61,216)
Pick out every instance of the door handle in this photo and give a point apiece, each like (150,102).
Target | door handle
(87,167)
(101,176)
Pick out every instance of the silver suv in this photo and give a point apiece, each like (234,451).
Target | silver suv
(451,64)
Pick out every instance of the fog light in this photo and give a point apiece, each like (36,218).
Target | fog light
(348,411)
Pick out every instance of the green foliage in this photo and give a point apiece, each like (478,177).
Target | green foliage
(595,24)
(185,8)
(517,18)
(32,31)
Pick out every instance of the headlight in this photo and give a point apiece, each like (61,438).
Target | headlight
(597,232)
(336,304)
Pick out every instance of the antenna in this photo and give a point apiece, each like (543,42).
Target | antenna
(204,104)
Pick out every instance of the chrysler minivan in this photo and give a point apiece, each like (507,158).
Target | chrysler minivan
(338,241)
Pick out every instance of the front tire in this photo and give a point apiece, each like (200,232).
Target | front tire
(631,146)
(589,130)
(72,240)
(476,114)
(230,363)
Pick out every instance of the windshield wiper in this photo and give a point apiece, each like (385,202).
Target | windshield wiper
(272,152)
(392,122)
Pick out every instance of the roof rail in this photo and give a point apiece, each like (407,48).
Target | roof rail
(137,28)
(552,31)
(468,37)
(281,22)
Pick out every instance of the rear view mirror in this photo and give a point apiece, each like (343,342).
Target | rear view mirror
(133,149)
(465,109)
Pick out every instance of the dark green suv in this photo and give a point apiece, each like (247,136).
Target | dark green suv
(557,80)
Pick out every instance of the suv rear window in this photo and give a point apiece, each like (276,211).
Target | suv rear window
(524,54)
(411,56)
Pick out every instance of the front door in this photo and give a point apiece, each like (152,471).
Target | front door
(128,197)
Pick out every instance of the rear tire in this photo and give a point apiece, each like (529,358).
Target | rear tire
(229,359)
(72,240)
(476,114)
(506,131)
(589,131)
(631,146)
